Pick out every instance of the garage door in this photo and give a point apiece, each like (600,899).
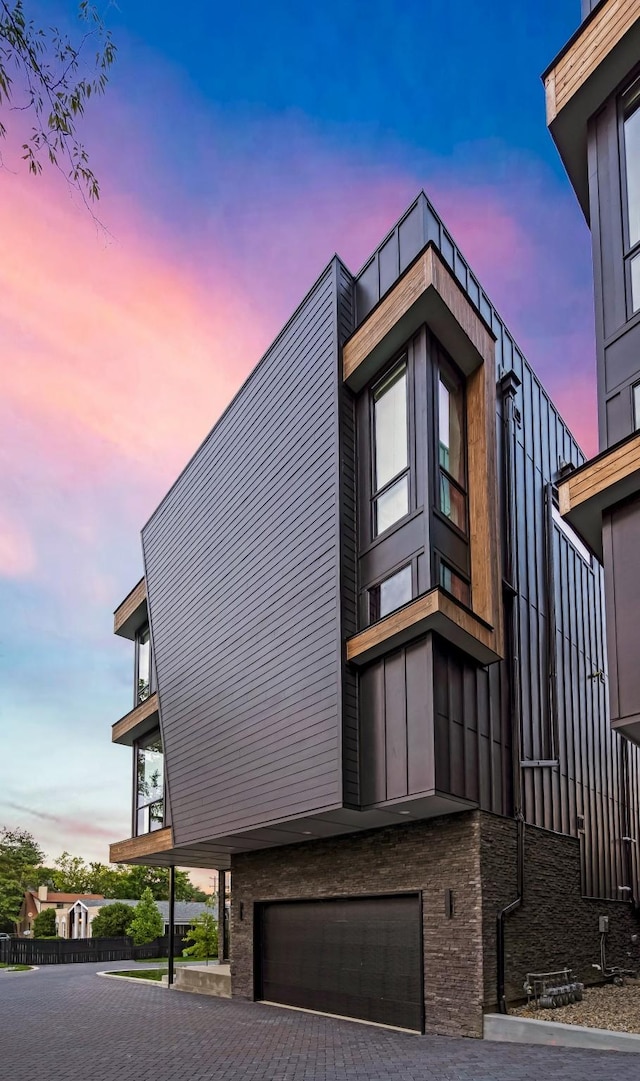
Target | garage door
(357,957)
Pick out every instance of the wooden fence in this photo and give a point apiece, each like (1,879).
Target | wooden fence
(62,951)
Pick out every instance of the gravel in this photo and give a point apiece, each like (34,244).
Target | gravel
(615,1008)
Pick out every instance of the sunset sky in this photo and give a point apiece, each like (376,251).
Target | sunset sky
(238,147)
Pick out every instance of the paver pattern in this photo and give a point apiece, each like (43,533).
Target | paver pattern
(65,1022)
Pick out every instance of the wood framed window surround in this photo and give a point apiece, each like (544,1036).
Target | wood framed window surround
(464,603)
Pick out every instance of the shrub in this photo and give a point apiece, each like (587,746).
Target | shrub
(44,925)
(112,921)
(203,937)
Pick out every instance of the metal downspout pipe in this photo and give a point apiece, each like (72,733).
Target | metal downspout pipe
(508,386)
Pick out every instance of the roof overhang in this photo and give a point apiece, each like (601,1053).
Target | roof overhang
(591,67)
(131,614)
(599,484)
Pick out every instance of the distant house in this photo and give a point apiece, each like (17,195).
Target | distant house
(35,901)
(85,909)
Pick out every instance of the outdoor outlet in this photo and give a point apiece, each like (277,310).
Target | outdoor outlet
(603,924)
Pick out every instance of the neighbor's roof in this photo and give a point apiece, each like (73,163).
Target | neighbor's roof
(185,911)
(52,895)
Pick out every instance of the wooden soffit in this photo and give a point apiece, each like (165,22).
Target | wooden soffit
(596,486)
(136,723)
(593,63)
(149,844)
(428,293)
(434,611)
(131,614)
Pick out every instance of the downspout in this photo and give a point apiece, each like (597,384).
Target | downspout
(508,385)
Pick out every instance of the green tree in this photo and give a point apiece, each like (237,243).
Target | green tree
(203,937)
(147,923)
(70,873)
(20,854)
(44,925)
(52,78)
(112,921)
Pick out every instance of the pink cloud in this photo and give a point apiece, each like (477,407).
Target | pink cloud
(17,550)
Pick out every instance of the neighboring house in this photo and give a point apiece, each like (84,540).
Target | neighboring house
(84,911)
(370,663)
(593,112)
(35,901)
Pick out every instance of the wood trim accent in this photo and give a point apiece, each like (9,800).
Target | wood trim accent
(422,615)
(598,38)
(147,845)
(128,606)
(595,477)
(428,271)
(135,717)
(484,546)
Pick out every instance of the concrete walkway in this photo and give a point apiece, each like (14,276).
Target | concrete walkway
(63,1022)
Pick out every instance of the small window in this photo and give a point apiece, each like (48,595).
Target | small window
(390,594)
(143,675)
(636,406)
(391,450)
(454,584)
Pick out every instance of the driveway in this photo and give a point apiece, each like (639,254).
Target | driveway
(65,1022)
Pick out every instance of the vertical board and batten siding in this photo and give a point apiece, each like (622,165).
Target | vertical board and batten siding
(242,563)
(586,782)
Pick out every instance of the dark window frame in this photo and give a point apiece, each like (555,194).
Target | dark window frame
(137,698)
(625,109)
(444,367)
(404,355)
(441,560)
(371,589)
(140,806)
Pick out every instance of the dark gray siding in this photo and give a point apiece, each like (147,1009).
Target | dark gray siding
(622,547)
(617,338)
(396,725)
(349,542)
(242,562)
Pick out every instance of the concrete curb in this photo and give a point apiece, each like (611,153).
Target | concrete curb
(131,979)
(503,1028)
(32,968)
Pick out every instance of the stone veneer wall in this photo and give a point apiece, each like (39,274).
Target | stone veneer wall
(431,856)
(555,926)
(473,854)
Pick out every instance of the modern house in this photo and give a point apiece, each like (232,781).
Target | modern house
(593,112)
(370,673)
(84,911)
(35,901)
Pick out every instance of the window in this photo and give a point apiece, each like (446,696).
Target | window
(451,497)
(390,594)
(149,783)
(631,146)
(636,406)
(143,666)
(454,584)
(391,449)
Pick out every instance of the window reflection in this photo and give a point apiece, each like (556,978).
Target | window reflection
(632,162)
(391,451)
(390,594)
(150,783)
(143,681)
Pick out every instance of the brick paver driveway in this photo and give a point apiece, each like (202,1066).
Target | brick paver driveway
(64,1022)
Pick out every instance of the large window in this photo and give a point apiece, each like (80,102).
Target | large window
(391,449)
(631,140)
(143,665)
(149,783)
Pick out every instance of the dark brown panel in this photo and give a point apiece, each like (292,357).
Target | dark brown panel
(356,957)
(623,586)
(396,725)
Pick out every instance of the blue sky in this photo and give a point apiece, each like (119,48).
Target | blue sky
(238,147)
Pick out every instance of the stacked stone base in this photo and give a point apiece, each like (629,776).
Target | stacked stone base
(473,855)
